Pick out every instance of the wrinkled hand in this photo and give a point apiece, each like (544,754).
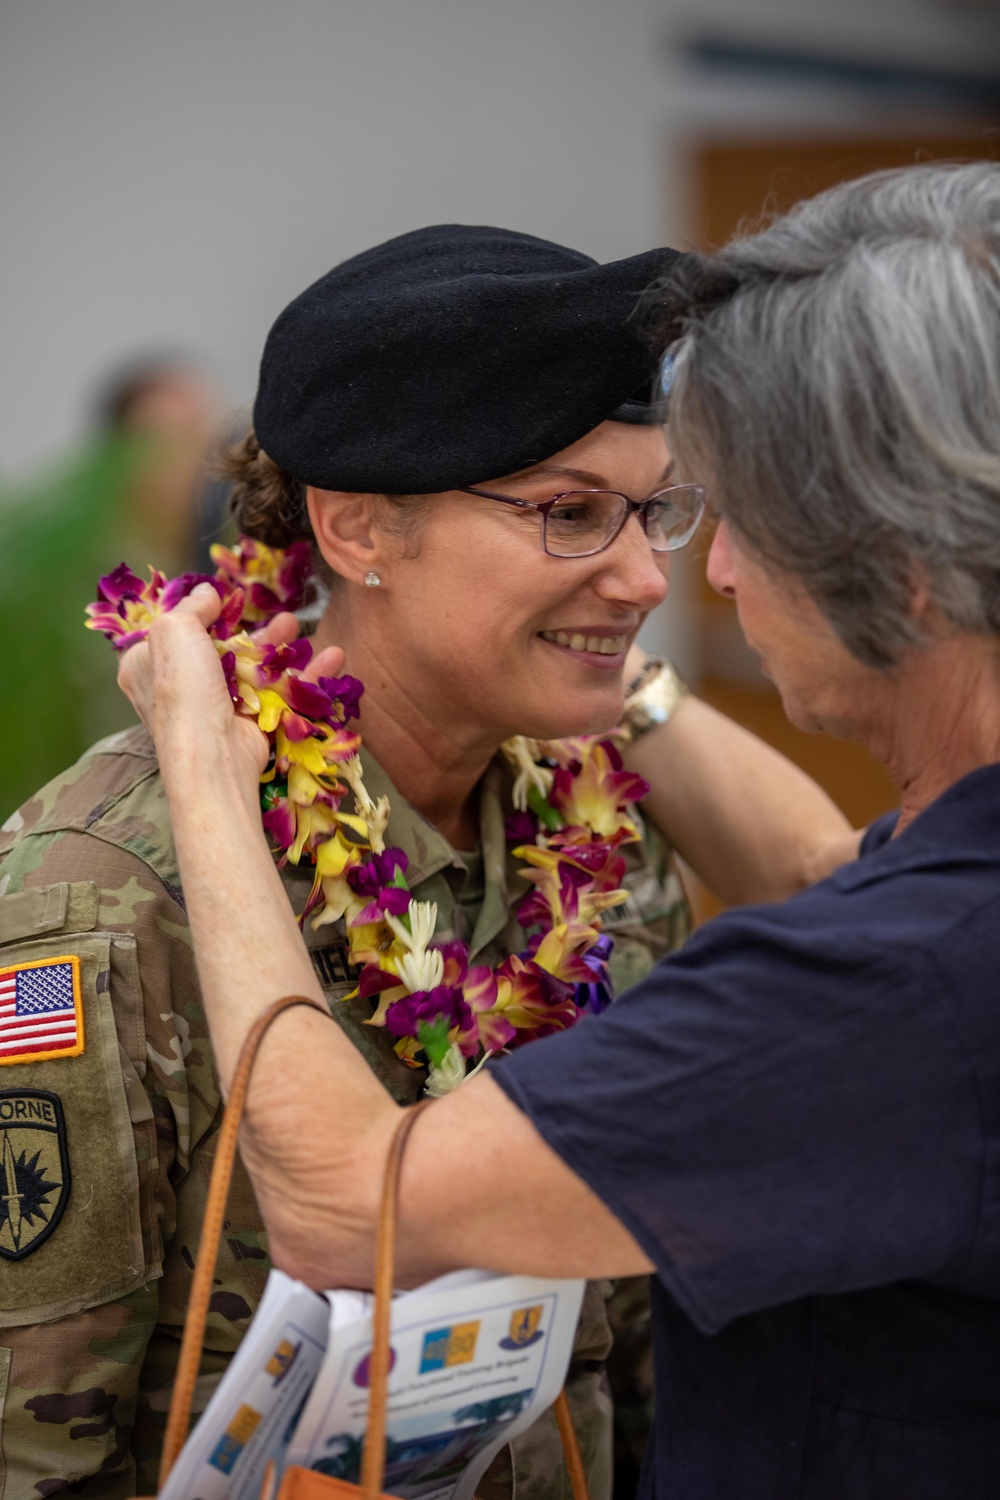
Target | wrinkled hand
(175,682)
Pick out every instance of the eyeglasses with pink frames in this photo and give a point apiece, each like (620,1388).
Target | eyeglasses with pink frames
(579,523)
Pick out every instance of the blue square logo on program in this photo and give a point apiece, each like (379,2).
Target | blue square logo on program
(449,1346)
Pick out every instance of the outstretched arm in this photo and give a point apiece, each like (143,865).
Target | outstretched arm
(752,826)
(318,1122)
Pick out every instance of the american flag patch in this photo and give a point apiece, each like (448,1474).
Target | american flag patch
(41,1012)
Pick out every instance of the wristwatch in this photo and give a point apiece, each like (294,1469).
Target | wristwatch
(651,697)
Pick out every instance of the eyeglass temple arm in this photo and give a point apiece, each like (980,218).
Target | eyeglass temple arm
(464,489)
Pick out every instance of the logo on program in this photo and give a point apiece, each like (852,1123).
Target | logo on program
(524,1329)
(363,1373)
(235,1438)
(281,1360)
(444,1347)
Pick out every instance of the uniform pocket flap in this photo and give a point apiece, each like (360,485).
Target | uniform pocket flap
(70,906)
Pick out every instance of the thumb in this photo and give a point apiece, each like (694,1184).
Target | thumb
(327,663)
(203,602)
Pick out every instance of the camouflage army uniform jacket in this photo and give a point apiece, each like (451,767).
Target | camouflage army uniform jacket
(109,1126)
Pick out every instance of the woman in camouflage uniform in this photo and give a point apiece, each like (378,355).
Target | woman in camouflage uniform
(432,364)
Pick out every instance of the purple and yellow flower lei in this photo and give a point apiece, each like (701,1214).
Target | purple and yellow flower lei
(572,817)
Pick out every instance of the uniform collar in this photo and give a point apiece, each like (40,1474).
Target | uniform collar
(494,804)
(429,852)
(426,850)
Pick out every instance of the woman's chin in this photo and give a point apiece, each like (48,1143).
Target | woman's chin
(592,717)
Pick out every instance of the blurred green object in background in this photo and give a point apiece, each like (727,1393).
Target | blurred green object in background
(59,532)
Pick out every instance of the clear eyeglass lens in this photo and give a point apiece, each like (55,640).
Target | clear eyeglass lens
(582,522)
(672,518)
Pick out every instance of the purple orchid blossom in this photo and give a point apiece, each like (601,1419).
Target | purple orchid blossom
(297,728)
(423,1007)
(394,899)
(232,600)
(125,605)
(373,980)
(124,601)
(534,910)
(308,698)
(232,683)
(346,691)
(380,879)
(374,874)
(551,1001)
(121,583)
(289,573)
(294,576)
(521,828)
(292,656)
(598,994)
(178,588)
(279,822)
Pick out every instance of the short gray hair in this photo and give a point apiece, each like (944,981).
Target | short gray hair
(836,382)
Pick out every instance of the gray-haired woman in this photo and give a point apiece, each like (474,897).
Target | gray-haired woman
(795,1123)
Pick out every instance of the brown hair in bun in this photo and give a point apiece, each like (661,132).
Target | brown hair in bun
(267,503)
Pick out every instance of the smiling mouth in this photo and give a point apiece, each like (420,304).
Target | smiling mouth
(600,645)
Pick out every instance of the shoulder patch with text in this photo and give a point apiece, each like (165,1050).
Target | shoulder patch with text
(34,1169)
(41,1010)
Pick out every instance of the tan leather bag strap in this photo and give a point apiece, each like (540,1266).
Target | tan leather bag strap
(179,1418)
(373,1456)
(571,1448)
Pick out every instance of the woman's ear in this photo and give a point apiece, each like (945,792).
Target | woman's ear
(343,524)
(922,605)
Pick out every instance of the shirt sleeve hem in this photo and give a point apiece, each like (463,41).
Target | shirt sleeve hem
(666,1271)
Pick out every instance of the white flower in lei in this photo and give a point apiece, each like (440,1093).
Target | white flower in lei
(420,967)
(524,755)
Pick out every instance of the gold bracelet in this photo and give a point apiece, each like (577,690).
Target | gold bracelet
(653,701)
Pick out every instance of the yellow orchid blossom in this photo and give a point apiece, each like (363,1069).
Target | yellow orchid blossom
(272,708)
(597,795)
(313,822)
(559,949)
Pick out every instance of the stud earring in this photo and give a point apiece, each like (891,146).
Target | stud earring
(372,580)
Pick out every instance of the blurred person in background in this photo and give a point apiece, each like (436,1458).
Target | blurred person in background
(172,409)
(135,488)
(456,427)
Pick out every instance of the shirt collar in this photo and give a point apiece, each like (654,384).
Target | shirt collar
(429,852)
(426,850)
(964,822)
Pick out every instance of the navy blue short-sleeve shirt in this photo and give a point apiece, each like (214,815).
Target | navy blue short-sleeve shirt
(798,1118)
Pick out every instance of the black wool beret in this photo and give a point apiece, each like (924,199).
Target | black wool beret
(451,356)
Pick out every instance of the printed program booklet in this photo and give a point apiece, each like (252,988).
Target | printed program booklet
(476,1358)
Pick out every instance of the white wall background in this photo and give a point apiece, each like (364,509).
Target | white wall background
(173,171)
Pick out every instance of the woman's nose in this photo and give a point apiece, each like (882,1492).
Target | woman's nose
(720,571)
(636,574)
